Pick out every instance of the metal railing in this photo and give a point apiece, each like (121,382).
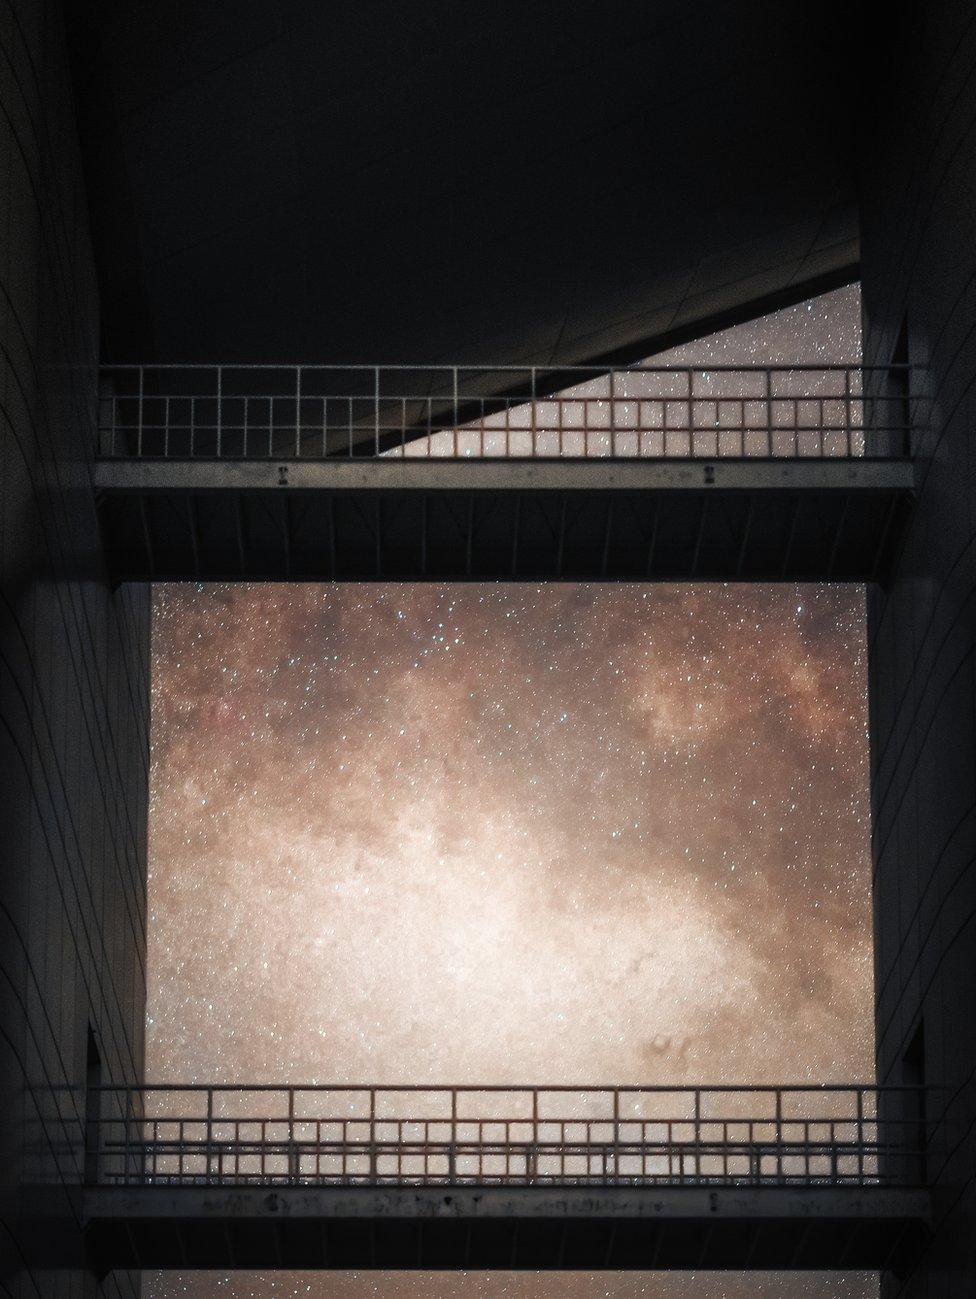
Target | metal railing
(361,412)
(537,1136)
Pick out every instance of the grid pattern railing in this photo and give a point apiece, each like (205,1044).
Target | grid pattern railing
(361,412)
(331,1135)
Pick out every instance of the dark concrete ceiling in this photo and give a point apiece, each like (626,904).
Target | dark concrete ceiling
(426,180)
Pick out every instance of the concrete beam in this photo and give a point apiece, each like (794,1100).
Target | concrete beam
(562,1202)
(475,475)
(486,1227)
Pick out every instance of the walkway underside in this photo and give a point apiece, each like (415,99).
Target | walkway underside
(482,1227)
(482,520)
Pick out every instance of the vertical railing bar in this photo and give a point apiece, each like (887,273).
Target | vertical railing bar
(533,410)
(376,406)
(127,1140)
(847,412)
(372,1135)
(454,373)
(833,1151)
(292,1151)
(534,1172)
(691,421)
(860,1135)
(616,1135)
(697,1156)
(768,375)
(779,1134)
(742,424)
(209,1148)
(110,445)
(906,414)
(613,412)
(452,1160)
(142,395)
(821,423)
(298,410)
(220,403)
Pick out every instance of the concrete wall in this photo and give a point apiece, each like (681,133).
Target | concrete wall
(918,151)
(73,689)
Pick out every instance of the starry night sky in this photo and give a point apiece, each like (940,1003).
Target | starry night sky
(514,833)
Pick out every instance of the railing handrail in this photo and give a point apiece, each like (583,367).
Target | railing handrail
(527,1088)
(639,367)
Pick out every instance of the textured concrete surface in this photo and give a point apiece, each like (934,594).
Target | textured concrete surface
(73,690)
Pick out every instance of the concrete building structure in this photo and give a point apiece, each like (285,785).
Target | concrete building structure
(916,142)
(563,185)
(74,664)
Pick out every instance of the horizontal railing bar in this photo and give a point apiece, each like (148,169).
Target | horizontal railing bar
(785,1149)
(597,370)
(688,1089)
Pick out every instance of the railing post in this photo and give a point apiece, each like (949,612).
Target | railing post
(533,1167)
(452,1151)
(292,1149)
(220,408)
(127,1124)
(768,375)
(615,1155)
(210,1115)
(860,1136)
(298,410)
(140,415)
(833,1152)
(779,1134)
(93,1130)
(691,412)
(698,1155)
(613,412)
(848,430)
(533,410)
(372,1134)
(754,1168)
(454,374)
(906,434)
(376,407)
(104,422)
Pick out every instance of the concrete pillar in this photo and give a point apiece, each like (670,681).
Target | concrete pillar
(73,689)
(918,160)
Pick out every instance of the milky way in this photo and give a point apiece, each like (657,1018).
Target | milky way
(511,833)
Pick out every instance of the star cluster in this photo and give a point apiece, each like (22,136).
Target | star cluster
(514,834)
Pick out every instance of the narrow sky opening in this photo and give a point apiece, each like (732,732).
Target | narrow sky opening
(584,834)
